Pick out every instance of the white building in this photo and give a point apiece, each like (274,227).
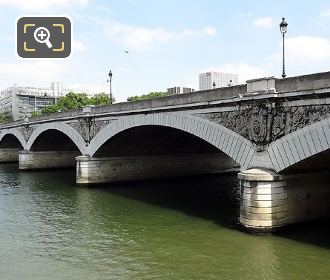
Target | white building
(178,90)
(18,102)
(210,80)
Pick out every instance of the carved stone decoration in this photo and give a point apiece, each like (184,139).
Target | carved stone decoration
(88,127)
(82,127)
(256,127)
(257,124)
(97,126)
(265,123)
(26,131)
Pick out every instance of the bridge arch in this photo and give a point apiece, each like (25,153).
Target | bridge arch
(16,133)
(232,144)
(300,145)
(62,127)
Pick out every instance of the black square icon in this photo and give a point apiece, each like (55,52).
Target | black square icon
(43,37)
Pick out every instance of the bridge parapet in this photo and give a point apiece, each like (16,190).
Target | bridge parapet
(262,85)
(303,83)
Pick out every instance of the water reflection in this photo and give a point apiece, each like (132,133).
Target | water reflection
(174,229)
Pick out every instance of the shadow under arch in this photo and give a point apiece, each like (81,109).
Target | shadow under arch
(18,135)
(232,144)
(66,129)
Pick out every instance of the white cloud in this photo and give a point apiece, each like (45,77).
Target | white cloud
(42,5)
(78,45)
(307,49)
(243,70)
(29,73)
(325,13)
(209,31)
(88,88)
(303,54)
(245,15)
(264,22)
(42,73)
(141,37)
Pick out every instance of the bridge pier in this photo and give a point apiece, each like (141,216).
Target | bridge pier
(115,169)
(47,159)
(270,201)
(264,200)
(9,155)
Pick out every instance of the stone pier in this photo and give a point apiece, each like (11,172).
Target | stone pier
(270,201)
(115,169)
(9,155)
(47,159)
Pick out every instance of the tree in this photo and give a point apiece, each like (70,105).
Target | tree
(73,101)
(50,109)
(147,96)
(101,99)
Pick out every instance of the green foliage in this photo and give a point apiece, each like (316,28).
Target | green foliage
(2,118)
(50,109)
(35,114)
(100,99)
(73,101)
(147,96)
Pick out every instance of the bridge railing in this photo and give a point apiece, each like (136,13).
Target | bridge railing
(304,82)
(192,100)
(179,101)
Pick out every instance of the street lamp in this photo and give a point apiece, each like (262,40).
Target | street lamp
(283,29)
(110,79)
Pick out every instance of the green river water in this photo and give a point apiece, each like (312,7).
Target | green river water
(174,229)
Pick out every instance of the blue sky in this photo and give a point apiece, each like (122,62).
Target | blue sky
(169,42)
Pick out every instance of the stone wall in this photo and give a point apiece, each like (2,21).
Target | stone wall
(115,169)
(9,155)
(47,159)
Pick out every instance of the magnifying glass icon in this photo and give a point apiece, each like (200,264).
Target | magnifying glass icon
(42,35)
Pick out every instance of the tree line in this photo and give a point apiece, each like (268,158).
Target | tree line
(154,94)
(72,101)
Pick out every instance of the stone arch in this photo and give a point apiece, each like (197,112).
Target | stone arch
(235,146)
(300,145)
(62,127)
(16,133)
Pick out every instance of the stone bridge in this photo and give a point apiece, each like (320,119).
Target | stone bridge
(274,132)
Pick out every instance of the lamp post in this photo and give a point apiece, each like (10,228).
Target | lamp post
(283,29)
(110,82)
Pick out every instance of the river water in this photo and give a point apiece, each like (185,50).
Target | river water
(173,229)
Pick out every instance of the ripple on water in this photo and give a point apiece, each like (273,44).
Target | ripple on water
(176,229)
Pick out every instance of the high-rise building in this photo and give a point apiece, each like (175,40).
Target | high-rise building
(20,102)
(57,89)
(210,80)
(178,90)
(187,90)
